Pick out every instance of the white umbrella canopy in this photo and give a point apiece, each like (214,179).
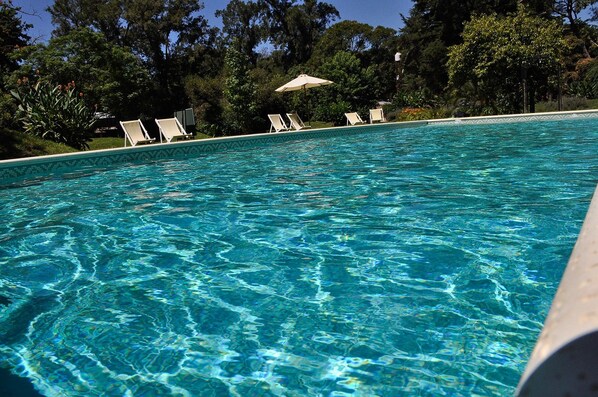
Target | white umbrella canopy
(303,82)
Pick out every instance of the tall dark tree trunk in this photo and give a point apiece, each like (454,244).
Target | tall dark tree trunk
(525,93)
(532,96)
(572,17)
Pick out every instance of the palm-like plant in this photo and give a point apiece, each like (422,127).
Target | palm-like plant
(55,113)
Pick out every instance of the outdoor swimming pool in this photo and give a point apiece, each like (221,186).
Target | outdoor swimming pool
(416,261)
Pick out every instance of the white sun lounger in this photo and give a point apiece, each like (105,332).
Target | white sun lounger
(377,115)
(135,132)
(277,123)
(296,121)
(353,118)
(172,130)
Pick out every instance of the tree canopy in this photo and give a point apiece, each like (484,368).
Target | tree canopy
(165,35)
(12,38)
(113,78)
(502,57)
(242,24)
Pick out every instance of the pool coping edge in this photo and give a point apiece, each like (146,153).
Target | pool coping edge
(571,326)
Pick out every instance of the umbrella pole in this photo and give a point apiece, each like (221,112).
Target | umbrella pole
(307,103)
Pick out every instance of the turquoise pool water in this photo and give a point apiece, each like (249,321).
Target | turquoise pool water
(416,262)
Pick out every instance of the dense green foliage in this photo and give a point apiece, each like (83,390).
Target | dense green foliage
(140,58)
(351,91)
(243,27)
(12,38)
(431,28)
(587,84)
(434,26)
(239,94)
(57,113)
(170,38)
(502,58)
(113,78)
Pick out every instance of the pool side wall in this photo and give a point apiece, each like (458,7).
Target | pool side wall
(16,170)
(517,118)
(564,360)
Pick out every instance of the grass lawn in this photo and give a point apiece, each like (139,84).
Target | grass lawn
(116,142)
(108,142)
(321,124)
(16,144)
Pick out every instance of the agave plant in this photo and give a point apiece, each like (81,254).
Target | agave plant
(55,113)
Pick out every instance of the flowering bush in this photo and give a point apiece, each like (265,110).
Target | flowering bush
(55,113)
(410,114)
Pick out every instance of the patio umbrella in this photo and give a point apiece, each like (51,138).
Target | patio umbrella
(303,82)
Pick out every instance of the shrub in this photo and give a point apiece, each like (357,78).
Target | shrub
(591,79)
(414,99)
(240,109)
(586,88)
(7,110)
(413,114)
(409,114)
(569,103)
(332,112)
(55,113)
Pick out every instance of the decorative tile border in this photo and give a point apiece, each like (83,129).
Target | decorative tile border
(516,118)
(17,170)
(14,171)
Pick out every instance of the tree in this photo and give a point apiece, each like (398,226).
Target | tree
(242,25)
(432,27)
(507,58)
(163,33)
(348,36)
(569,10)
(239,94)
(295,29)
(13,37)
(374,47)
(105,16)
(384,43)
(111,76)
(350,91)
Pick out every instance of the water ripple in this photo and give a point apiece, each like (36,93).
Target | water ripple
(417,261)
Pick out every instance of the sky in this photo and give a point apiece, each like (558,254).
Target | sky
(373,12)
